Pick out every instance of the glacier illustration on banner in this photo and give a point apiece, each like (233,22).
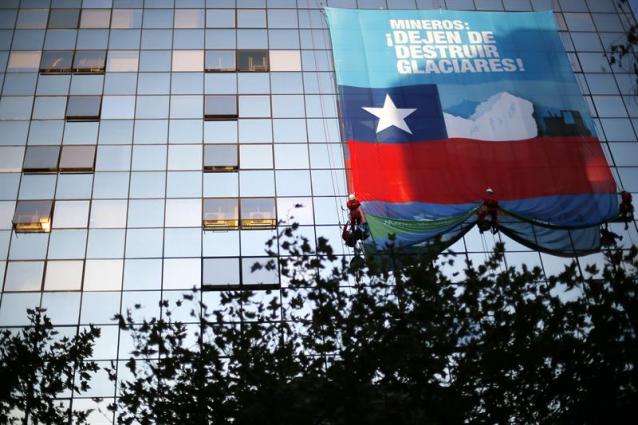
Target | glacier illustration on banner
(438,106)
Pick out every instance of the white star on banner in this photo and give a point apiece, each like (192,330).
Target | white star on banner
(390,115)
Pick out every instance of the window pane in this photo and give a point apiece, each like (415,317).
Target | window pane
(251,18)
(285,60)
(23,61)
(220,61)
(32,19)
(77,158)
(41,158)
(64,18)
(220,158)
(56,61)
(123,61)
(220,271)
(223,18)
(83,108)
(63,275)
(33,216)
(221,213)
(252,60)
(188,60)
(189,18)
(260,276)
(258,213)
(24,276)
(126,18)
(220,107)
(95,18)
(89,61)
(71,214)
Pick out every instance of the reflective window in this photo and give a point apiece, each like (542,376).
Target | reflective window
(222,272)
(63,275)
(122,61)
(77,158)
(183,212)
(64,18)
(56,61)
(256,156)
(252,60)
(89,61)
(220,213)
(188,60)
(257,213)
(41,158)
(220,61)
(83,108)
(108,214)
(95,18)
(189,18)
(251,18)
(285,60)
(220,158)
(33,216)
(220,107)
(183,273)
(24,276)
(103,275)
(126,18)
(26,61)
(32,19)
(251,275)
(146,213)
(220,18)
(71,214)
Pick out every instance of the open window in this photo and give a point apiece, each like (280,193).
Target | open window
(220,158)
(220,107)
(41,159)
(83,108)
(258,213)
(252,60)
(56,61)
(89,61)
(77,159)
(220,61)
(33,216)
(220,214)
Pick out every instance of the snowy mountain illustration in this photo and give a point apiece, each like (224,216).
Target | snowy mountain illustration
(501,117)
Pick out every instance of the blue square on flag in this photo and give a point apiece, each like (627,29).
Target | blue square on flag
(392,115)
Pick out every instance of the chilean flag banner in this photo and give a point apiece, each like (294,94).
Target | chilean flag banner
(438,106)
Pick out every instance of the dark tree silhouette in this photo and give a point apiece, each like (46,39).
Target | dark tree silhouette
(623,52)
(395,340)
(38,369)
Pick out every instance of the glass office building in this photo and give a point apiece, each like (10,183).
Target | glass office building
(149,146)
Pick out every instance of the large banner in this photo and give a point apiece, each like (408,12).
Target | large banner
(438,106)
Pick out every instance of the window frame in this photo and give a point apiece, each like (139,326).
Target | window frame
(82,118)
(224,116)
(258,219)
(211,70)
(266,67)
(48,70)
(220,168)
(89,70)
(221,222)
(40,170)
(40,222)
(77,169)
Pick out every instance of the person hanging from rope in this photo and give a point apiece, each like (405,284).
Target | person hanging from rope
(626,208)
(488,212)
(356,228)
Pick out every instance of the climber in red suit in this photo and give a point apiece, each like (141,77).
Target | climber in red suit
(488,212)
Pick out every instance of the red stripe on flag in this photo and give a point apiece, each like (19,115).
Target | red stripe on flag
(456,171)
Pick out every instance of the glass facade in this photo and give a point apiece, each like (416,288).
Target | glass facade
(149,146)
